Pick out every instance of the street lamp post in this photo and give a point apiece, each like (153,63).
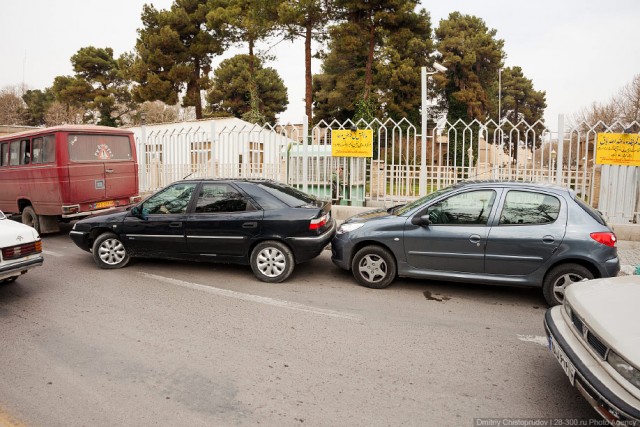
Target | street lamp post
(439,68)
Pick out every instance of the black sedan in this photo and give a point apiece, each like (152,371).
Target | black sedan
(266,224)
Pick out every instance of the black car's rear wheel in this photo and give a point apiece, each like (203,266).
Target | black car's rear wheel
(272,261)
(374,267)
(561,276)
(109,252)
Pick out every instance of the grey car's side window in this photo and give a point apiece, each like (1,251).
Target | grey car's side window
(220,197)
(528,207)
(472,207)
(171,200)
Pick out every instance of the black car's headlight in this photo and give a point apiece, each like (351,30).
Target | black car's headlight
(349,226)
(624,368)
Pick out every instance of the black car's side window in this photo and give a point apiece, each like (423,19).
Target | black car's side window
(528,207)
(171,200)
(219,197)
(472,207)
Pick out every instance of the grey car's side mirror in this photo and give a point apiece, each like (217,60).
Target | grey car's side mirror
(421,221)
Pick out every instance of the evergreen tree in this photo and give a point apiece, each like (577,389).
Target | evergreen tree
(174,52)
(231,91)
(37,102)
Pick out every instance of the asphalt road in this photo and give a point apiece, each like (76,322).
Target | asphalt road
(179,343)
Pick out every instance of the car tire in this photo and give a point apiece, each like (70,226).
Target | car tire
(272,261)
(109,252)
(559,277)
(374,267)
(30,218)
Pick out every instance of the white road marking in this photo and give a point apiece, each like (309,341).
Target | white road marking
(56,254)
(254,298)
(534,339)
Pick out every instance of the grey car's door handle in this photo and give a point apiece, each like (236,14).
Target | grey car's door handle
(175,224)
(251,224)
(548,239)
(475,238)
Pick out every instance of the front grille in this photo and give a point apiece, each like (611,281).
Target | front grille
(19,251)
(577,322)
(596,344)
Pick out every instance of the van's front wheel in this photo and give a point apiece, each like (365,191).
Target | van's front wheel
(30,218)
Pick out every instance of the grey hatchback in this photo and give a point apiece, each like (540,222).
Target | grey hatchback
(493,232)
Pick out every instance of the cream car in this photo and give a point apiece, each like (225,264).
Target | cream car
(595,336)
(20,249)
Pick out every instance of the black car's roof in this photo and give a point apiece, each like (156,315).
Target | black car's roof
(252,180)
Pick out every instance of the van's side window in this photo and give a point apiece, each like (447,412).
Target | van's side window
(14,153)
(4,154)
(43,150)
(25,152)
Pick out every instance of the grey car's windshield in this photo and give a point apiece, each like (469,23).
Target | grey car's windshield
(403,209)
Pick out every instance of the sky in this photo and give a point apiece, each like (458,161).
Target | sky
(577,51)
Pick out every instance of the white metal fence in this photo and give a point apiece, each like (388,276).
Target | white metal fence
(404,165)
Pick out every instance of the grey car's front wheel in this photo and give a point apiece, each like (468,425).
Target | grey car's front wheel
(374,267)
(272,261)
(109,252)
(558,278)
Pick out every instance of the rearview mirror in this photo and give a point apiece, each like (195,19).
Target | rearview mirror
(139,212)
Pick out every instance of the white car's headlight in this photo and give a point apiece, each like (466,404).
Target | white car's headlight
(624,368)
(345,228)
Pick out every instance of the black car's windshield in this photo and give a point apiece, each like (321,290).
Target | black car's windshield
(402,209)
(289,195)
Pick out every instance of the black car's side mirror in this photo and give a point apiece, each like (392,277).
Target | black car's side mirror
(139,212)
(421,221)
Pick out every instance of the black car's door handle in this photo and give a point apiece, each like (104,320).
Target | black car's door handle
(475,239)
(548,239)
(252,224)
(175,224)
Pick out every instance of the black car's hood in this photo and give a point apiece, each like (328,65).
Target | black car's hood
(115,215)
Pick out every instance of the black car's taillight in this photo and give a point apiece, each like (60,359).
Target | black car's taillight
(606,238)
(317,223)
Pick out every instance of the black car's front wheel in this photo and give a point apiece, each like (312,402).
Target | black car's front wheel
(109,252)
(374,267)
(557,279)
(272,261)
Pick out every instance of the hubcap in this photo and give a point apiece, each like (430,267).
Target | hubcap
(111,251)
(372,268)
(562,282)
(271,262)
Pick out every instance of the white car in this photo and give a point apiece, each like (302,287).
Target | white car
(20,249)
(595,336)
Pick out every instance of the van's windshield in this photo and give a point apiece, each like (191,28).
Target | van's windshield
(98,148)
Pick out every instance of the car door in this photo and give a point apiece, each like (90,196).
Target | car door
(160,230)
(224,222)
(529,229)
(455,239)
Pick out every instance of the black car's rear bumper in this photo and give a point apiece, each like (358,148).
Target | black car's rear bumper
(307,248)
(590,378)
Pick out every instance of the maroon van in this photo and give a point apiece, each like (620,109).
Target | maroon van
(66,172)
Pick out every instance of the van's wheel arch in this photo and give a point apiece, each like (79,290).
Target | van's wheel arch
(31,218)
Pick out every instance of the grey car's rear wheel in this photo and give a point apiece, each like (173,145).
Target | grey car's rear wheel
(109,252)
(374,267)
(272,261)
(561,276)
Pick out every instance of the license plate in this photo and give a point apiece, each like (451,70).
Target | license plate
(563,360)
(107,204)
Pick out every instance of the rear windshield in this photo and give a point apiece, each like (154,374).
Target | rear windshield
(591,211)
(289,195)
(98,148)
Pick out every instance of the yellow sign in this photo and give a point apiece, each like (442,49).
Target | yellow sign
(352,143)
(621,149)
